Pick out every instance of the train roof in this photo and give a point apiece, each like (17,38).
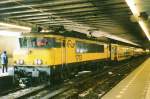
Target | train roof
(72,34)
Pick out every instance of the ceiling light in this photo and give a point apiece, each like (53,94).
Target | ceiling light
(105,34)
(145,29)
(9,33)
(15,26)
(133,7)
(136,13)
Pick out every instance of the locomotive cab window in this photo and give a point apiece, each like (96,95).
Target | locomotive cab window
(36,42)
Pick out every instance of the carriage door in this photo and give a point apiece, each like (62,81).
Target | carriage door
(59,58)
(113,53)
(59,52)
(63,50)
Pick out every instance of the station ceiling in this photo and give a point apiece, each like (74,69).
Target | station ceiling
(111,16)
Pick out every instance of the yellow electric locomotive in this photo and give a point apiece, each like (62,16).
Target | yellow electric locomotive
(57,56)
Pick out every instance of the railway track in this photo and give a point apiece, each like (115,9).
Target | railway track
(88,86)
(11,90)
(24,92)
(101,83)
(102,87)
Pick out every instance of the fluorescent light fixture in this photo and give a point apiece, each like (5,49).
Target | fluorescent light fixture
(9,33)
(105,34)
(145,29)
(135,12)
(122,40)
(15,26)
(133,7)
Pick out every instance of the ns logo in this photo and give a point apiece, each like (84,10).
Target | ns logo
(70,44)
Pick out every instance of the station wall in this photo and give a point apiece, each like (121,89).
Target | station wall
(9,44)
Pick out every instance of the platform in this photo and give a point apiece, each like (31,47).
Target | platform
(135,86)
(6,79)
(9,73)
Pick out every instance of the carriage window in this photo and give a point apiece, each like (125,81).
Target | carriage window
(34,42)
(83,47)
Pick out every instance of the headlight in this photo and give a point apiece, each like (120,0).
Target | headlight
(20,62)
(38,62)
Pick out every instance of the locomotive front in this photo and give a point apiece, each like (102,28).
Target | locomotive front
(33,51)
(33,59)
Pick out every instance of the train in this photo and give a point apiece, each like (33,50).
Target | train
(54,56)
